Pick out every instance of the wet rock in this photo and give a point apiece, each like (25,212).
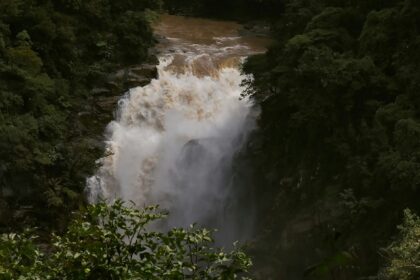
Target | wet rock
(112,86)
(136,82)
(124,79)
(161,39)
(104,98)
(152,54)
(107,104)
(100,91)
(147,71)
(259,29)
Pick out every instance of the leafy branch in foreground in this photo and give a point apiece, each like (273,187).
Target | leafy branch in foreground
(404,254)
(115,242)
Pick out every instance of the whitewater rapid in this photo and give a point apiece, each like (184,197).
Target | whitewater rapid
(174,141)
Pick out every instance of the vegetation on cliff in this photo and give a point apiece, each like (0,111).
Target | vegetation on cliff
(52,53)
(403,255)
(336,159)
(337,154)
(114,242)
(242,10)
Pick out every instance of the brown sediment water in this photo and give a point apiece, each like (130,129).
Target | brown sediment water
(204,46)
(174,141)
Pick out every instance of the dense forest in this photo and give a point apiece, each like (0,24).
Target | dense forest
(336,158)
(337,153)
(52,54)
(241,10)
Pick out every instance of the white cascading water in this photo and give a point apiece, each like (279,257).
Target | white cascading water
(174,140)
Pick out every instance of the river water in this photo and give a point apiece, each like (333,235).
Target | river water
(174,141)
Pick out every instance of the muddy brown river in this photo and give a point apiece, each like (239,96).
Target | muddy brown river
(174,141)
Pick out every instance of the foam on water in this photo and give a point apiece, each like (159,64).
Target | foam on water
(173,141)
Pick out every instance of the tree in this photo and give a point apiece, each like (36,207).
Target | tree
(404,254)
(52,54)
(115,242)
(339,103)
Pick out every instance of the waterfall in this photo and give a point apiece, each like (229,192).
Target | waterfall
(174,141)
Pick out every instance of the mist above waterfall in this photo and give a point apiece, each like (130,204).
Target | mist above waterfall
(174,141)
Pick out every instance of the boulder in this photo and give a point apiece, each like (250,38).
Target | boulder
(147,71)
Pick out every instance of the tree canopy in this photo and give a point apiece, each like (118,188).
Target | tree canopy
(338,135)
(115,242)
(52,53)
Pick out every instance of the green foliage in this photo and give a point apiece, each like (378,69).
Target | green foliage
(52,53)
(25,58)
(19,256)
(339,137)
(404,254)
(115,242)
(230,9)
(330,267)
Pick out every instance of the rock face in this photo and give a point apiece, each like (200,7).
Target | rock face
(255,28)
(105,98)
